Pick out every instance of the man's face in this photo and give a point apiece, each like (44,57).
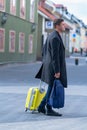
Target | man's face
(61,27)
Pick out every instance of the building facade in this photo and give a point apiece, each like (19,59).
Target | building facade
(47,13)
(18,30)
(75,35)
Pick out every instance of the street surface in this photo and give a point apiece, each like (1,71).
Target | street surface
(15,80)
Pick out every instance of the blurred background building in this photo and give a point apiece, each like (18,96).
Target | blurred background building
(75,34)
(18,30)
(25,25)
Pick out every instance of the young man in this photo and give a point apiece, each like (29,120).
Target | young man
(53,65)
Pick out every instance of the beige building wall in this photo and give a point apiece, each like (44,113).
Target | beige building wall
(82,45)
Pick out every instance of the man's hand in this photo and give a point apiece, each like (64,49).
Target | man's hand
(57,75)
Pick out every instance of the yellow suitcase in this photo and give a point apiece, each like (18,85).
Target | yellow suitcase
(34,97)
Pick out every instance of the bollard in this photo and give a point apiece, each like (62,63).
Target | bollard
(86,59)
(76,61)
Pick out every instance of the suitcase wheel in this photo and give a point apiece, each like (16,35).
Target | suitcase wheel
(33,112)
(26,110)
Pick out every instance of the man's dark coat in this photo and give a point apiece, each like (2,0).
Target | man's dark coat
(53,60)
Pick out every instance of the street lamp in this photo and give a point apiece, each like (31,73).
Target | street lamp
(33,27)
(3,18)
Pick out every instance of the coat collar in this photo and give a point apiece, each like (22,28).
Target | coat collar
(59,37)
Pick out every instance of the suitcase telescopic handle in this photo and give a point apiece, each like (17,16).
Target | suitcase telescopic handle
(42,89)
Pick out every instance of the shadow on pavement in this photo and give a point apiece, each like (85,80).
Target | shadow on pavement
(12,108)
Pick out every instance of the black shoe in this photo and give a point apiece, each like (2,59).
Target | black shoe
(41,110)
(51,112)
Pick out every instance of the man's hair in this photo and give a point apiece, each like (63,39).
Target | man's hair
(57,22)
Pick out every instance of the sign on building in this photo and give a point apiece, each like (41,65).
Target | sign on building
(49,24)
(74,35)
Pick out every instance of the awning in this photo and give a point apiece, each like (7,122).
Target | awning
(52,17)
(68,26)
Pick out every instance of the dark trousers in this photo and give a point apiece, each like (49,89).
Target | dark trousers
(45,100)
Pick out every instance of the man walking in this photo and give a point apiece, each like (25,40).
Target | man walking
(53,65)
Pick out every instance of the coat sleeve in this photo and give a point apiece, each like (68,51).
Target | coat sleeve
(55,44)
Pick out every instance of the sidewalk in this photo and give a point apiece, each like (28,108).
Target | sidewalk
(14,117)
(74,113)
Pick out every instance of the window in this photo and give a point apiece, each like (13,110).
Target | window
(21,42)
(2,40)
(22,8)
(12,41)
(2,5)
(13,7)
(32,10)
(30,50)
